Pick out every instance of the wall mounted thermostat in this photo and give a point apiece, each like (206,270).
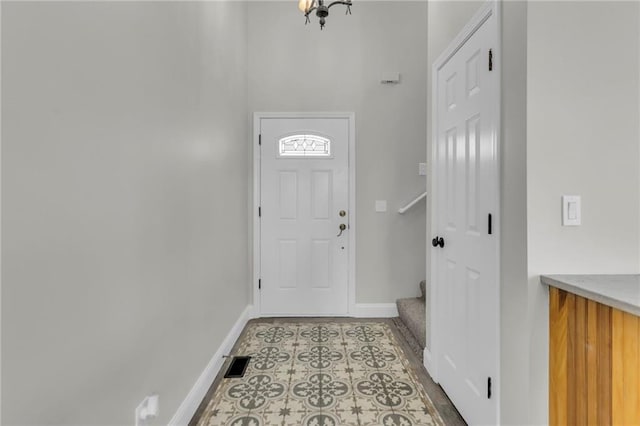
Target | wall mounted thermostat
(390,78)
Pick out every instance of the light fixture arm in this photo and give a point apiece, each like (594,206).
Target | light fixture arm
(346,3)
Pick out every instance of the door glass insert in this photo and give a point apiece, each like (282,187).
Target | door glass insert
(304,146)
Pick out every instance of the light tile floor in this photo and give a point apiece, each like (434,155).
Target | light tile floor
(316,373)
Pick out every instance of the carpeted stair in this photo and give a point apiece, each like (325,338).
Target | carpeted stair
(412,320)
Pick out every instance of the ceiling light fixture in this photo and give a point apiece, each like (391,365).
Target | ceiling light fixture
(322,10)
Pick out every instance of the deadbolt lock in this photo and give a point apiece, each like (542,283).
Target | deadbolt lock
(342,213)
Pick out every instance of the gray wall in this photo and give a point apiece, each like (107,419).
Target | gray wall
(124,182)
(583,139)
(293,67)
(514,349)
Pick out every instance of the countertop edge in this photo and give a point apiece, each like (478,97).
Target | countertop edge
(597,297)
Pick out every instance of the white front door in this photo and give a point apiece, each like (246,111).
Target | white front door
(304,200)
(465,247)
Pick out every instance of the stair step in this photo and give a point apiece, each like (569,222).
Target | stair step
(412,312)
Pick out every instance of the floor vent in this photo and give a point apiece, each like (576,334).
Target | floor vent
(238,367)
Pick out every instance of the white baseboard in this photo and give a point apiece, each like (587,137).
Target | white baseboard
(190,404)
(374,310)
(427,363)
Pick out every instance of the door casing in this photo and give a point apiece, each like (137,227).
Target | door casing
(255,203)
(432,353)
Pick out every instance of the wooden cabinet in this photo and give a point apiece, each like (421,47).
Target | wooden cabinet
(594,362)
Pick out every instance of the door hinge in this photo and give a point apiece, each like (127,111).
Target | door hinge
(259,211)
(490,59)
(489,220)
(489,387)
(259,284)
(260,139)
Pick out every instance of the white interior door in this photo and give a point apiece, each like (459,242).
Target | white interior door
(304,200)
(465,267)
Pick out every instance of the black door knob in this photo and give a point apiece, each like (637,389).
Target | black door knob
(437,241)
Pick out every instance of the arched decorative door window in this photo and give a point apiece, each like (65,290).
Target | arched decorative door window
(304,146)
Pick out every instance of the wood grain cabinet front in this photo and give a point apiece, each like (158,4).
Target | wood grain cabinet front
(594,362)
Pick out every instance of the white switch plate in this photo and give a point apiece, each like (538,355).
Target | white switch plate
(422,169)
(381,206)
(571,211)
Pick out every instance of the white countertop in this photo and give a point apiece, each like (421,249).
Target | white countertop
(618,291)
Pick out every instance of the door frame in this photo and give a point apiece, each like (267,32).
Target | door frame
(255,203)
(489,9)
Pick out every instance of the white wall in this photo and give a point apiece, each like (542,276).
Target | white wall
(293,67)
(124,182)
(582,139)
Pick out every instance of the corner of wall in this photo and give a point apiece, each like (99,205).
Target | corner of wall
(190,404)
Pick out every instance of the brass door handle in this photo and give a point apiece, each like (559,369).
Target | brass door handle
(342,228)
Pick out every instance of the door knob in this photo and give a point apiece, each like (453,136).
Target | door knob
(342,228)
(437,241)
(342,213)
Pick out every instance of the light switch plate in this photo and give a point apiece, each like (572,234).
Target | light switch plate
(422,169)
(571,210)
(381,206)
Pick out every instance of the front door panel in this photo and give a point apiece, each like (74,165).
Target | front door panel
(304,186)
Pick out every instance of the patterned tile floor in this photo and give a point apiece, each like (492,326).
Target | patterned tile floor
(321,374)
